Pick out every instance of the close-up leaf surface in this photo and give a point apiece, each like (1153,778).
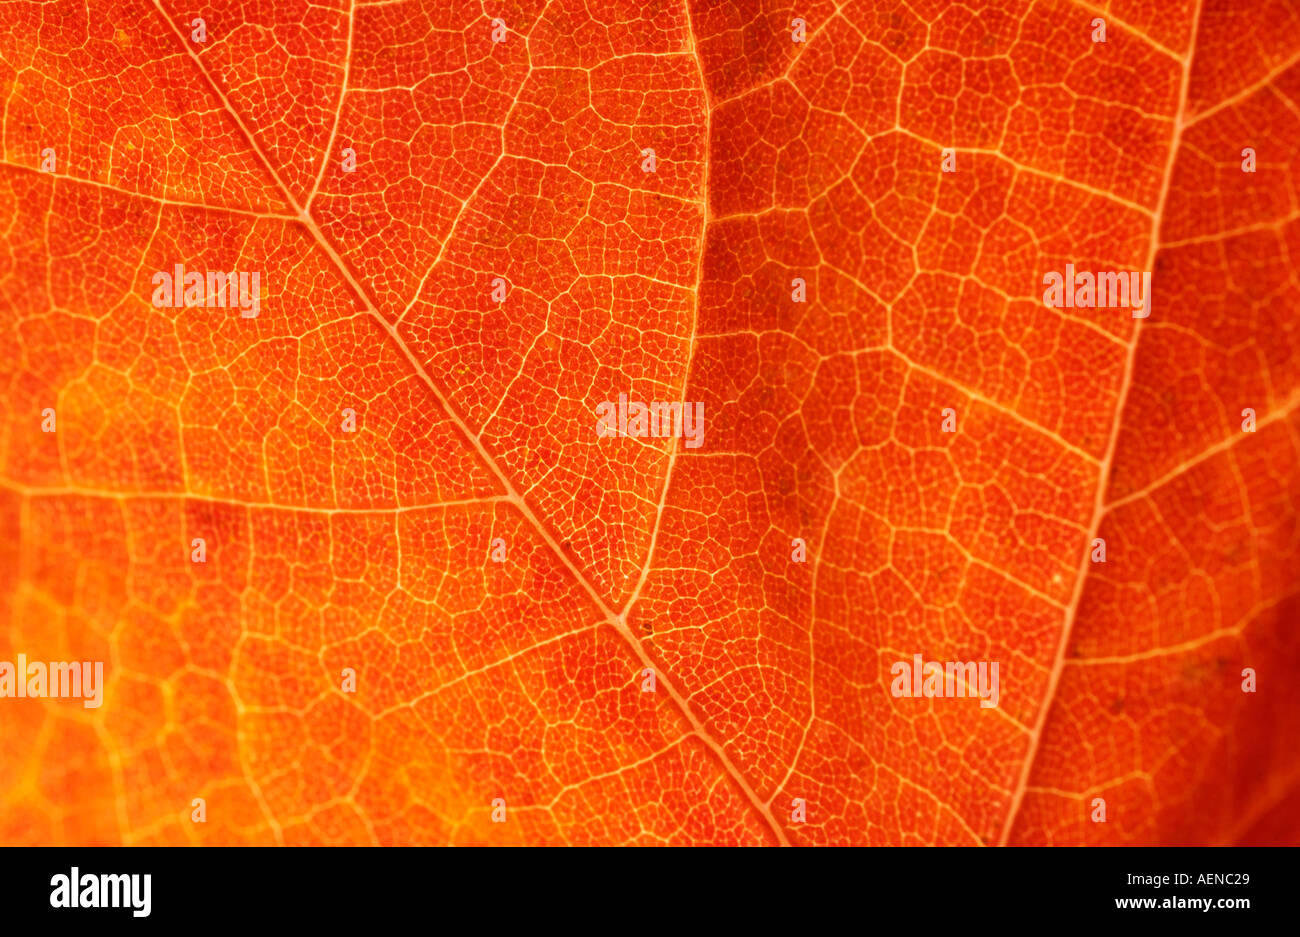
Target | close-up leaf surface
(475,224)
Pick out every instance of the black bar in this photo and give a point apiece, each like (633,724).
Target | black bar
(653,890)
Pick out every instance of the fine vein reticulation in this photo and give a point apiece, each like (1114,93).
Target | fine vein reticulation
(649,662)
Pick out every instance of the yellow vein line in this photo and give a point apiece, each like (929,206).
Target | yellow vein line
(512,495)
(1223,445)
(338,111)
(146,196)
(1103,473)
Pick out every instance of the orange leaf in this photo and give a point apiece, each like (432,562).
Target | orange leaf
(366,538)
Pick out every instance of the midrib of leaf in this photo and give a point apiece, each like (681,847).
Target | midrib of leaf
(1103,472)
(618,622)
